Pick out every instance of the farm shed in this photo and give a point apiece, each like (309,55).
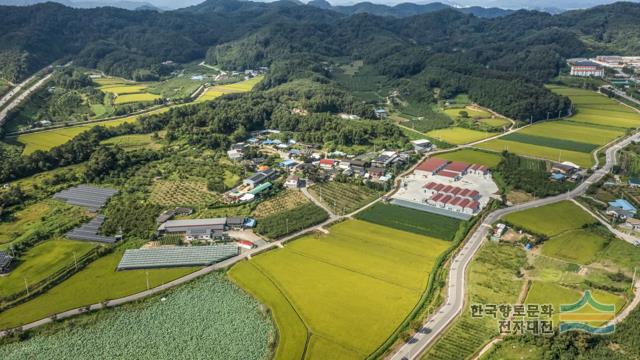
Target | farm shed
(431,165)
(260,188)
(176,256)
(182,226)
(89,232)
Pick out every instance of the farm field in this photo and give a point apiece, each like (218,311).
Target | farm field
(578,246)
(498,145)
(292,220)
(95,283)
(46,140)
(47,217)
(495,122)
(458,135)
(551,219)
(415,221)
(219,90)
(286,200)
(351,290)
(598,121)
(343,198)
(229,325)
(551,293)
(133,142)
(134,98)
(182,192)
(491,280)
(471,112)
(41,261)
(567,130)
(472,156)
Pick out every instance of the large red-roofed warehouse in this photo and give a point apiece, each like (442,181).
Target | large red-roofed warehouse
(431,166)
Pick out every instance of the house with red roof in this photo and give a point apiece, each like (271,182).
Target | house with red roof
(327,164)
(431,166)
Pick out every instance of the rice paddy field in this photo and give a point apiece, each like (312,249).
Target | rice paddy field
(410,220)
(216,91)
(95,283)
(125,92)
(597,121)
(473,156)
(40,262)
(459,135)
(341,295)
(208,319)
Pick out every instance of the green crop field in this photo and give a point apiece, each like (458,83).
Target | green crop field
(416,221)
(133,98)
(351,289)
(458,135)
(343,198)
(560,144)
(580,158)
(41,261)
(567,130)
(577,246)
(472,156)
(133,142)
(121,89)
(551,219)
(207,319)
(495,122)
(98,282)
(288,221)
(491,280)
(472,113)
(621,254)
(551,293)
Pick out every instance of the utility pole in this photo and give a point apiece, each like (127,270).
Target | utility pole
(75,260)
(26,286)
(147,274)
(287,221)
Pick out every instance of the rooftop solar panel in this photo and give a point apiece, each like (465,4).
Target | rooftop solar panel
(176,256)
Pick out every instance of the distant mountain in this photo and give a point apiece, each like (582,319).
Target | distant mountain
(122,4)
(407,9)
(554,5)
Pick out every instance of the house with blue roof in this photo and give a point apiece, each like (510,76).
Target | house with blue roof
(621,208)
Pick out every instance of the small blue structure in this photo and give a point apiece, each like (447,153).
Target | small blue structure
(268,142)
(623,205)
(634,182)
(558,177)
(288,164)
(528,247)
(294,152)
(249,223)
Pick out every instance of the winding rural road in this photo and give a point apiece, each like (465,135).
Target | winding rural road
(455,300)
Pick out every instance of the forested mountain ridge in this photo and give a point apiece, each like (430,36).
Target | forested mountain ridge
(407,9)
(501,62)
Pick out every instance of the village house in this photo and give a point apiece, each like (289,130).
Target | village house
(421,146)
(293,182)
(585,68)
(381,113)
(384,159)
(327,164)
(621,209)
(375,172)
(633,224)
(259,177)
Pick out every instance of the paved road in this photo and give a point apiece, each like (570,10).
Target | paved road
(10,101)
(455,299)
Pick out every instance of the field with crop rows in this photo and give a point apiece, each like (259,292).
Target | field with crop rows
(351,288)
(292,220)
(218,90)
(497,122)
(405,219)
(560,144)
(568,130)
(182,192)
(284,201)
(98,282)
(578,246)
(458,135)
(134,98)
(126,92)
(472,156)
(492,280)
(343,198)
(209,318)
